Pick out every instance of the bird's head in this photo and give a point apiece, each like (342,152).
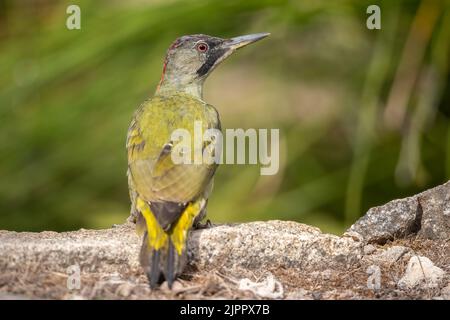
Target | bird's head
(190,59)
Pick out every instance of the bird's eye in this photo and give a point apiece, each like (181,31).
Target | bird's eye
(202,47)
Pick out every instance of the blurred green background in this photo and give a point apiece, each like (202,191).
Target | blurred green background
(363,114)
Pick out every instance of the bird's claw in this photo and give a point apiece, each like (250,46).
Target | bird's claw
(208,224)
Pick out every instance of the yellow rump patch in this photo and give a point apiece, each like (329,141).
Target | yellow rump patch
(157,238)
(180,230)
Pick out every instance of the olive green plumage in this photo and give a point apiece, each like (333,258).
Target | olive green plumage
(146,141)
(153,177)
(167,199)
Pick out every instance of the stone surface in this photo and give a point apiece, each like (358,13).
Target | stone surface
(268,288)
(421,272)
(305,263)
(435,209)
(445,292)
(426,214)
(369,249)
(230,248)
(261,245)
(394,219)
(389,255)
(300,294)
(108,251)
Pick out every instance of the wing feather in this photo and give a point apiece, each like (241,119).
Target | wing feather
(153,173)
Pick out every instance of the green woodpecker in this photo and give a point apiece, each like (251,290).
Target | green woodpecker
(169,198)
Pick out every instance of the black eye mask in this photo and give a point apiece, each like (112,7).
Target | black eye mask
(211,59)
(214,53)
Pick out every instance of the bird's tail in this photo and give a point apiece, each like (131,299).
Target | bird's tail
(162,263)
(163,253)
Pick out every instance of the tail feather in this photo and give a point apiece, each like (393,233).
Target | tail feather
(162,262)
(163,253)
(170,269)
(155,271)
(149,259)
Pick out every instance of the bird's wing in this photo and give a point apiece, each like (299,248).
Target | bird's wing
(154,175)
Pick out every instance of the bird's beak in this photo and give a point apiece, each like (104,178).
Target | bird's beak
(227,48)
(242,41)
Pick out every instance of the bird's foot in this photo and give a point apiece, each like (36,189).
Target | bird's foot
(208,224)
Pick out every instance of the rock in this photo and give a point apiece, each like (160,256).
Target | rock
(369,249)
(247,246)
(427,214)
(269,288)
(125,289)
(445,292)
(299,294)
(316,295)
(344,295)
(421,271)
(105,251)
(229,248)
(380,224)
(435,210)
(329,266)
(389,255)
(176,287)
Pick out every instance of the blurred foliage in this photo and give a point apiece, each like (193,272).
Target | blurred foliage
(363,114)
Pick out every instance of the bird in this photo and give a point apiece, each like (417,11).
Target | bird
(169,199)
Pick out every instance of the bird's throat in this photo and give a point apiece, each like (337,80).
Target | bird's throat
(194,89)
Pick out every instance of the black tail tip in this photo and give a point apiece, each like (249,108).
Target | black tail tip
(155,281)
(154,274)
(170,281)
(162,266)
(160,283)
